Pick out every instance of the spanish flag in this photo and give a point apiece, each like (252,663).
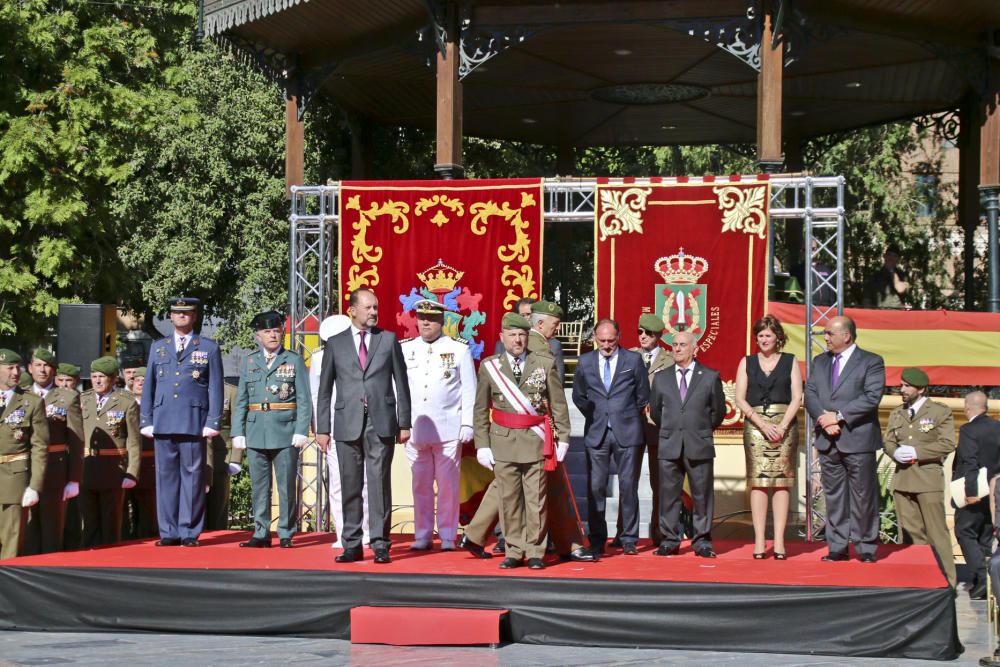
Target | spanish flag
(954,348)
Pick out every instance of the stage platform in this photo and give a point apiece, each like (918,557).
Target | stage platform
(900,606)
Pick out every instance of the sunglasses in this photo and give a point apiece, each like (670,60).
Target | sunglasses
(651,334)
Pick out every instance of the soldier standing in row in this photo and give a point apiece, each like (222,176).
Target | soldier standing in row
(67,376)
(24,441)
(271,420)
(46,520)
(141,522)
(223,462)
(112,453)
(442,382)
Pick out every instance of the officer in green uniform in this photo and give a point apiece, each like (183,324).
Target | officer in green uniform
(112,451)
(919,436)
(140,502)
(223,461)
(46,520)
(271,420)
(67,376)
(24,442)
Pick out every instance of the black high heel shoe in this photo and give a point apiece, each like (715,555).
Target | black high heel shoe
(760,556)
(778,555)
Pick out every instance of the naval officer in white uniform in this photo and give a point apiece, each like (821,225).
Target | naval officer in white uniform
(442,382)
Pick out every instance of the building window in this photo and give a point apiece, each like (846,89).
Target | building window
(927,195)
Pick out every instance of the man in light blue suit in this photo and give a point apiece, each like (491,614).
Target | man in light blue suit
(182,406)
(611,389)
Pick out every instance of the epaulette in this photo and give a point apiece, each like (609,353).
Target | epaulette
(407,340)
(86,392)
(459,339)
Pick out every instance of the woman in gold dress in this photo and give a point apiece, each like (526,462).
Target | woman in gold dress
(769,394)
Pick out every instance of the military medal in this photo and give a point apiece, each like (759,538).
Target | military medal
(195,374)
(447,363)
(273,389)
(161,353)
(283,392)
(18,434)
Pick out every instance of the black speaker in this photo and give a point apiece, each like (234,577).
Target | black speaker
(85,332)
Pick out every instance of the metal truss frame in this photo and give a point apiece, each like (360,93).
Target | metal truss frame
(818,202)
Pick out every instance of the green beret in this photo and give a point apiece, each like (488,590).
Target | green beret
(915,377)
(651,322)
(546,308)
(25,381)
(140,372)
(45,355)
(9,356)
(514,321)
(68,369)
(105,365)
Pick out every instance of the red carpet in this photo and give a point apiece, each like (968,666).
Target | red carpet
(897,567)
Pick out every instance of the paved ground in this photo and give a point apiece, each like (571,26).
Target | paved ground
(37,648)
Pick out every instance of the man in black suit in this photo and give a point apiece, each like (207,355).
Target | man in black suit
(842,397)
(687,403)
(610,389)
(372,413)
(978,447)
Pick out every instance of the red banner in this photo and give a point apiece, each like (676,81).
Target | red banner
(474,245)
(694,254)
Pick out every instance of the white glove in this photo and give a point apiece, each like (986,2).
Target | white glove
(465,434)
(905,454)
(71,490)
(128,483)
(239,442)
(29,498)
(561,449)
(146,431)
(234,468)
(485,457)
(207,432)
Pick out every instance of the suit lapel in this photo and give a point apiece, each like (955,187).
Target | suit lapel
(529,365)
(852,364)
(374,337)
(692,382)
(598,360)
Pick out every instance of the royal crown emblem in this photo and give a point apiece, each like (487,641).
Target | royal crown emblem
(440,278)
(681,269)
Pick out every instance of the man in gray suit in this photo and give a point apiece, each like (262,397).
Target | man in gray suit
(370,415)
(842,397)
(687,403)
(611,390)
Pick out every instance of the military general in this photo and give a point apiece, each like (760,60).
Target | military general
(183,406)
(271,421)
(24,441)
(443,392)
(46,520)
(919,436)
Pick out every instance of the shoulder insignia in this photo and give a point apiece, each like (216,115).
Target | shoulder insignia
(459,339)
(407,340)
(88,392)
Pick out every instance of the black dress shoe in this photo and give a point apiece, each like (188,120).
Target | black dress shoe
(581,555)
(629,549)
(349,556)
(977,594)
(833,557)
(500,547)
(285,543)
(168,542)
(536,564)
(189,542)
(667,551)
(868,558)
(615,543)
(257,543)
(381,555)
(510,563)
(474,548)
(705,552)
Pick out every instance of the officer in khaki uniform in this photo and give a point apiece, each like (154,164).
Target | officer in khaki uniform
(223,461)
(46,520)
(112,453)
(67,376)
(527,398)
(24,441)
(919,436)
(271,420)
(141,521)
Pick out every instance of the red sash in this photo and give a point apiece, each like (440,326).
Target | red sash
(514,420)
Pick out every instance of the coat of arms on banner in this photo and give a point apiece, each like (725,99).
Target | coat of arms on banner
(462,318)
(682,301)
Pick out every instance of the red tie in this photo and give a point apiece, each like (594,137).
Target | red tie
(362,350)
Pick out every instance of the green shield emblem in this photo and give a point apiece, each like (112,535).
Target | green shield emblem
(683,308)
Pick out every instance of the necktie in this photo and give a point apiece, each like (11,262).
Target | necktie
(101,400)
(269,357)
(517,370)
(835,372)
(912,413)
(607,373)
(684,382)
(362,350)
(180,344)
(647,358)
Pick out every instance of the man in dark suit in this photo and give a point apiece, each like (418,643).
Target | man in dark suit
(842,397)
(369,417)
(687,403)
(978,447)
(182,407)
(611,390)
